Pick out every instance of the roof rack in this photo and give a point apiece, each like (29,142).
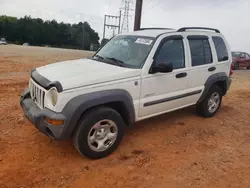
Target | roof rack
(201,28)
(152,28)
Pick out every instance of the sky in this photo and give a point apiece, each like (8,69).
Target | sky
(231,17)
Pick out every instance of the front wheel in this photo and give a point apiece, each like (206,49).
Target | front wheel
(211,103)
(99,132)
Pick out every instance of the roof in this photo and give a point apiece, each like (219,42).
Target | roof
(154,32)
(150,32)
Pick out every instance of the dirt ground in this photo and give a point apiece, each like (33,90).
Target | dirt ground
(178,149)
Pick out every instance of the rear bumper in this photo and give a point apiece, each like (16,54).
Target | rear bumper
(36,116)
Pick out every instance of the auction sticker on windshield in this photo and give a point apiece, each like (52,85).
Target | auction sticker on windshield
(144,41)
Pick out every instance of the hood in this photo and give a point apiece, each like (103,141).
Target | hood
(83,72)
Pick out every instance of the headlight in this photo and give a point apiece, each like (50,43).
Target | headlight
(53,95)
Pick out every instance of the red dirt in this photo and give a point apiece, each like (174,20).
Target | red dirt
(179,149)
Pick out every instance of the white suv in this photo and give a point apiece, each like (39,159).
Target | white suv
(134,76)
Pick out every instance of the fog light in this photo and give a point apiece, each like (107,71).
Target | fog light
(54,121)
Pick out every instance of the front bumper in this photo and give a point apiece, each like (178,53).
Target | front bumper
(36,116)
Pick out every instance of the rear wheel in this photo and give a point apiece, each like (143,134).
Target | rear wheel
(236,66)
(99,133)
(211,103)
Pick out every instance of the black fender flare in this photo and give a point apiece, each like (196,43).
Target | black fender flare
(74,109)
(221,76)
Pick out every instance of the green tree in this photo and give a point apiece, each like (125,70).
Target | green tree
(35,31)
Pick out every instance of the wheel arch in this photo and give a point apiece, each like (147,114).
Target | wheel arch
(221,79)
(120,100)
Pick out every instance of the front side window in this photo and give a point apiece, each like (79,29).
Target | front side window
(126,50)
(200,52)
(221,49)
(247,55)
(172,51)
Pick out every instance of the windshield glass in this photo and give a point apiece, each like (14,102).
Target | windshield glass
(235,54)
(127,51)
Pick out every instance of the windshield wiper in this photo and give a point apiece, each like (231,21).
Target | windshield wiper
(99,57)
(117,61)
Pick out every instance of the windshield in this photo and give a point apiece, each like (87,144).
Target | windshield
(236,54)
(126,50)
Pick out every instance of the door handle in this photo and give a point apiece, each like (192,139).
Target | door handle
(212,69)
(181,75)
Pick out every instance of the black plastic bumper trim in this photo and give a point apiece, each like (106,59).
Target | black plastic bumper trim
(36,116)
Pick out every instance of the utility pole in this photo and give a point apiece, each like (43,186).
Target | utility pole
(126,4)
(125,22)
(120,17)
(138,10)
(104,29)
(111,25)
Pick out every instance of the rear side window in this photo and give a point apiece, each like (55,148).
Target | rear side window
(221,49)
(200,52)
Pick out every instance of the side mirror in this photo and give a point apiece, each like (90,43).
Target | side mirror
(162,67)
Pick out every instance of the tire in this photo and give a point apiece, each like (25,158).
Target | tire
(236,66)
(248,67)
(99,132)
(205,108)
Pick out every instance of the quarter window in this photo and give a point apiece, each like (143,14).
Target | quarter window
(221,49)
(200,52)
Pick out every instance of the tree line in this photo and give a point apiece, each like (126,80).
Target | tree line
(37,32)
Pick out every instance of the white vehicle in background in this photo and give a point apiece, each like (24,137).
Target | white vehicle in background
(3,41)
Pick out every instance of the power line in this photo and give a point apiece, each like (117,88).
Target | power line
(148,4)
(150,1)
(156,3)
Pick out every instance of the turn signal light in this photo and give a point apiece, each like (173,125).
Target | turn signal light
(54,121)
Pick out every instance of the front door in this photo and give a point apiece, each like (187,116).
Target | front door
(163,92)
(242,60)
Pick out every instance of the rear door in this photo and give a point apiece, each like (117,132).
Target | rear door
(201,65)
(242,60)
(221,55)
